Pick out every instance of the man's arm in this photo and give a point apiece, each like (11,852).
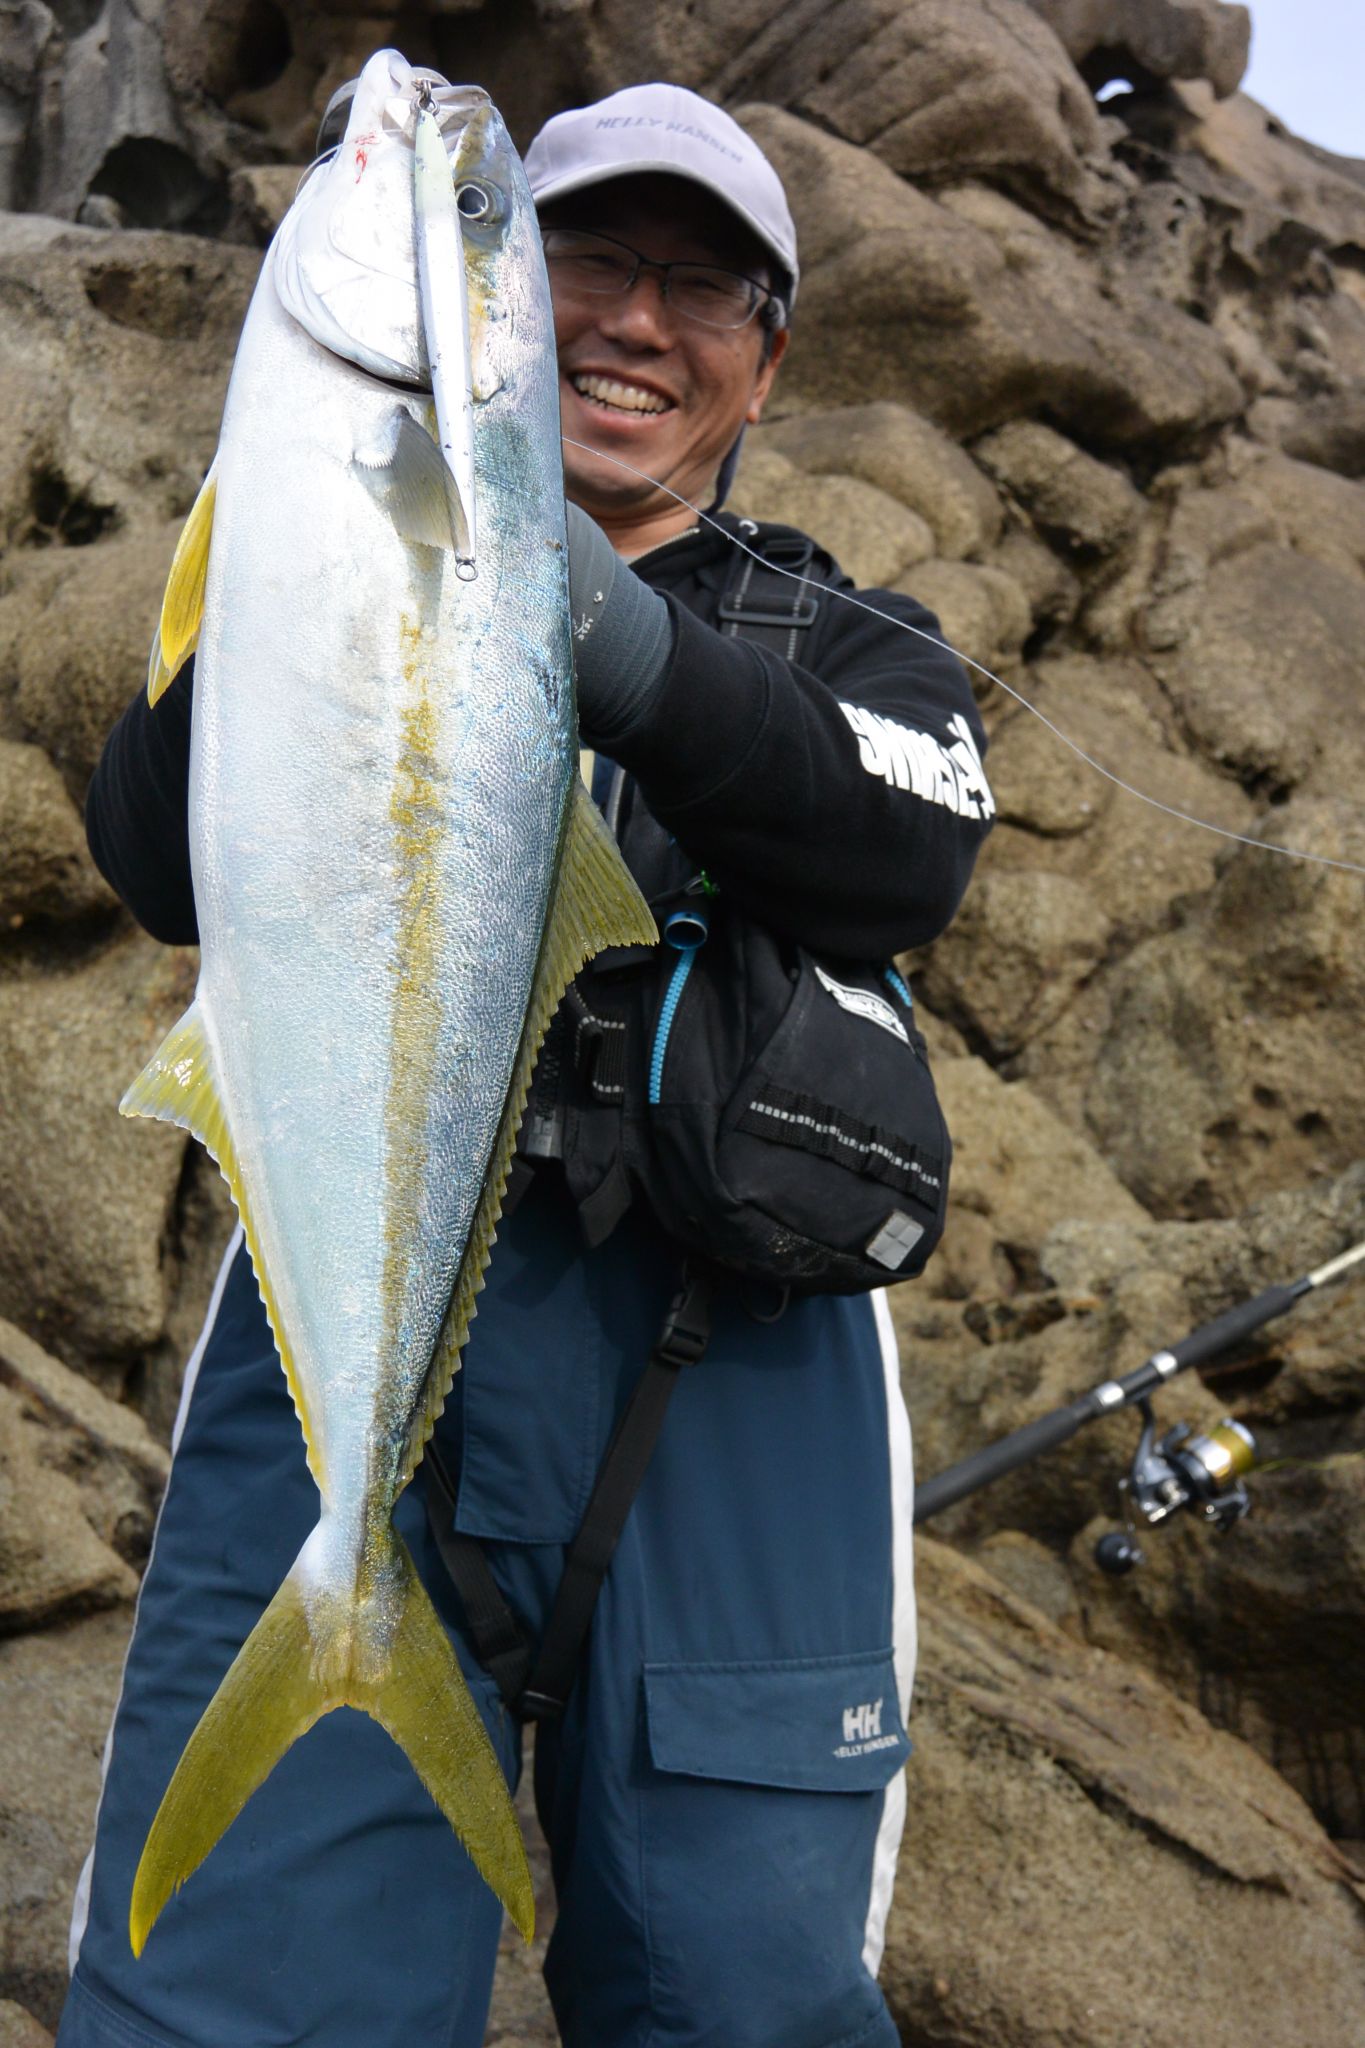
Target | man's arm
(137,812)
(842,803)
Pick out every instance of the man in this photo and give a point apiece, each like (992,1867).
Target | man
(723,1793)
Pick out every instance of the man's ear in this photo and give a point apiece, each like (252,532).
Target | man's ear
(763,380)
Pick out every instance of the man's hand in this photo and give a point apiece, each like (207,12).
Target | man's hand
(622,635)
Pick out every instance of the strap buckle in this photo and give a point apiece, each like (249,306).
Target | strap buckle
(687,1326)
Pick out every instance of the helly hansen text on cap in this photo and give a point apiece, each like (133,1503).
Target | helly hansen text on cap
(666,128)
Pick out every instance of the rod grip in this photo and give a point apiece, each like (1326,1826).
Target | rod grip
(998,1458)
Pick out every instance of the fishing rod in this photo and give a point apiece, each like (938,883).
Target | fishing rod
(1182,1468)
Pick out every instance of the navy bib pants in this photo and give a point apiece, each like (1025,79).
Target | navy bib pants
(723,1798)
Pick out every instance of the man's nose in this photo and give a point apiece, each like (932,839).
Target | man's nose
(641,315)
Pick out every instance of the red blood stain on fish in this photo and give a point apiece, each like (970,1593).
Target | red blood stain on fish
(363,145)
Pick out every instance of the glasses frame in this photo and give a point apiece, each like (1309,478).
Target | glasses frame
(769,306)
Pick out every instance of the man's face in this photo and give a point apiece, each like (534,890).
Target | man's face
(639,381)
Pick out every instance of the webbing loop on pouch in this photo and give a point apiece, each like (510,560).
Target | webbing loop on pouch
(535,1685)
(763,604)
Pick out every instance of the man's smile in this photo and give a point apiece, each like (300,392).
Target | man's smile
(619,395)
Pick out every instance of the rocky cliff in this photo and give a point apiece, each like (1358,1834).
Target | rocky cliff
(1088,377)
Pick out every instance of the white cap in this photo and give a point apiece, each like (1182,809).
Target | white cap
(666,128)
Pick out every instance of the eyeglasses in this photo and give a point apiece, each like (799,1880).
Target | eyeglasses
(595,264)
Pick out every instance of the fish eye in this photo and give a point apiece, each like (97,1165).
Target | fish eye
(477,202)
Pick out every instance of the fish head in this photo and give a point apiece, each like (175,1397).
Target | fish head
(344,262)
(511,319)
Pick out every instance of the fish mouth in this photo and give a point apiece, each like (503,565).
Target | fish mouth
(620,394)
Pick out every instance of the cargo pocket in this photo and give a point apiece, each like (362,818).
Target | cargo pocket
(759,1842)
(824,1724)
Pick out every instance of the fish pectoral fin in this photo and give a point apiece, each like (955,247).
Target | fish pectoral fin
(595,904)
(292,1669)
(178,1085)
(415,488)
(182,606)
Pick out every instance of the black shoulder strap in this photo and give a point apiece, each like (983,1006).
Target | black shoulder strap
(765,605)
(537,1687)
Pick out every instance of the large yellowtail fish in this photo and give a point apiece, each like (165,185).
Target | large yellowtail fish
(397,871)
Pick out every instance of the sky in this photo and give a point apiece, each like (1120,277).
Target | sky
(1308,68)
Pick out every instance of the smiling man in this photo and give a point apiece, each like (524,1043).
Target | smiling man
(716,1640)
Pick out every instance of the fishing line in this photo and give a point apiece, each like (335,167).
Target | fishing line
(1322,860)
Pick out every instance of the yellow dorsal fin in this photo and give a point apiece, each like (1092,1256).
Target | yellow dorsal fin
(182,607)
(177,1086)
(594,903)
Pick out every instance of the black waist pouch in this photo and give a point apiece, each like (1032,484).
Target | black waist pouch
(790,1129)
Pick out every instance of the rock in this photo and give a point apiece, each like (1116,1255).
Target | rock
(1329,431)
(1020,947)
(1138,861)
(1244,140)
(970,312)
(59,1690)
(125,342)
(935,89)
(1052,589)
(870,535)
(51,1560)
(1152,39)
(1078,505)
(1016,1170)
(102,119)
(259,197)
(1226,1068)
(1035,1573)
(1318,514)
(100,1444)
(982,612)
(45,869)
(1263,608)
(1050,1782)
(75,627)
(19,2029)
(900,452)
(80,1240)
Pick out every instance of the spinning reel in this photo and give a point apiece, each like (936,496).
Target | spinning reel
(1183,1469)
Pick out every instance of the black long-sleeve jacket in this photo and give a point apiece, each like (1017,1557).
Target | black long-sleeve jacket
(837,797)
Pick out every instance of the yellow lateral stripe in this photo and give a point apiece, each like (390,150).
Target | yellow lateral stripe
(595,903)
(182,607)
(177,1086)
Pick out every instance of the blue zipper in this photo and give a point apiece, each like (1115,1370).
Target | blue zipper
(686,930)
(895,982)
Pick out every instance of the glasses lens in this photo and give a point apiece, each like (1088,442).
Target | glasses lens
(587,263)
(718,298)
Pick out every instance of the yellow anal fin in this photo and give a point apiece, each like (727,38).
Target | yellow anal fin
(594,903)
(178,1086)
(281,1681)
(182,607)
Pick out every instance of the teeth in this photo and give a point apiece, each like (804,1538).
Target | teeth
(625,397)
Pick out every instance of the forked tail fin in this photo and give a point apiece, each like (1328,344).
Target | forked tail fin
(282,1680)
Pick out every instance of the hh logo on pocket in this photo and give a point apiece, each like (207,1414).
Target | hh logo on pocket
(863,1730)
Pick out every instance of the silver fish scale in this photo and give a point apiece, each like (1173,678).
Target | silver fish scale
(381,762)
